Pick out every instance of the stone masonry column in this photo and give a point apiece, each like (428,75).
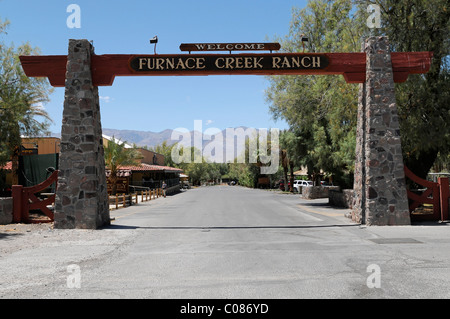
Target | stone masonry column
(380,190)
(81,197)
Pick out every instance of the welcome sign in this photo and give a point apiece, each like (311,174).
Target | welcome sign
(230,47)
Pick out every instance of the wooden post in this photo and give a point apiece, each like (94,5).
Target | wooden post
(117,202)
(17,191)
(444,195)
(25,206)
(124,203)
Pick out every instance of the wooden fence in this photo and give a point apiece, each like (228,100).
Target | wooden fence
(25,200)
(124,200)
(435,197)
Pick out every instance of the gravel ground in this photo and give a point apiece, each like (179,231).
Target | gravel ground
(34,258)
(24,236)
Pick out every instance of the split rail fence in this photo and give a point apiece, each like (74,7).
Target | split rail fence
(124,200)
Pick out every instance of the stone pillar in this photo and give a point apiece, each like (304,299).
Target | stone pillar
(380,190)
(81,197)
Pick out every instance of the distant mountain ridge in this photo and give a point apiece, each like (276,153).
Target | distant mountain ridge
(152,139)
(140,138)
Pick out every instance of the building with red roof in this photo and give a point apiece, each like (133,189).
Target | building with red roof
(145,175)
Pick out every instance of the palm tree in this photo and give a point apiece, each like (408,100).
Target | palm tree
(21,101)
(117,155)
(21,114)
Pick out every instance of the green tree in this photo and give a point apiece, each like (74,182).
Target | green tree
(203,171)
(165,149)
(320,110)
(197,172)
(21,101)
(247,167)
(245,173)
(116,155)
(423,100)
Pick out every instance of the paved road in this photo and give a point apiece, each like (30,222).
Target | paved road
(229,242)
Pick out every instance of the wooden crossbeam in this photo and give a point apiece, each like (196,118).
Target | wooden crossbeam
(106,67)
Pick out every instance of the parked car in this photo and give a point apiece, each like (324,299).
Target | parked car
(301,183)
(297,185)
(281,184)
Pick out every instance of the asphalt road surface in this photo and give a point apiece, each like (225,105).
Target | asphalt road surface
(228,242)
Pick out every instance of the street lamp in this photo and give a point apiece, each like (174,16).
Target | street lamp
(304,39)
(154,40)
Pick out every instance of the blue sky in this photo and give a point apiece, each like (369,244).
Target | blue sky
(125,27)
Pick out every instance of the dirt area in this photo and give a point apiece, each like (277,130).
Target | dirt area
(24,228)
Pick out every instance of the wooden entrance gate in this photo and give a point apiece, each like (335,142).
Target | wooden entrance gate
(430,204)
(25,200)
(81,72)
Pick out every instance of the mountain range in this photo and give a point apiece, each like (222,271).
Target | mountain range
(152,139)
(140,138)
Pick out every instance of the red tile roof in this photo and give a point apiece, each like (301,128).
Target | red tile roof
(120,173)
(151,168)
(7,167)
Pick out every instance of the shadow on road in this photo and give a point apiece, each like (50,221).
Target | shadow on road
(322,205)
(9,235)
(125,227)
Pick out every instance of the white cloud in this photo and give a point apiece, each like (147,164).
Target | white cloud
(106,99)
(208,122)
